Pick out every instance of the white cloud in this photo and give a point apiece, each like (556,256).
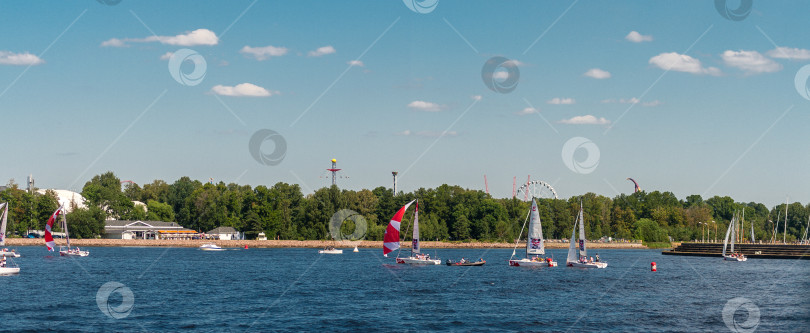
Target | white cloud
(477,97)
(426,134)
(789,53)
(631,100)
(114,42)
(166,56)
(322,51)
(243,90)
(500,75)
(425,106)
(597,73)
(527,111)
(357,63)
(636,37)
(19,59)
(752,62)
(682,63)
(585,120)
(193,38)
(557,101)
(263,52)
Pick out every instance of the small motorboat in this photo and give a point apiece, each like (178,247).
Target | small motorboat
(330,250)
(8,267)
(9,253)
(465,262)
(211,247)
(735,257)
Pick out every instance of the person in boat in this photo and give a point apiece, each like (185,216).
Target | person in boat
(597,257)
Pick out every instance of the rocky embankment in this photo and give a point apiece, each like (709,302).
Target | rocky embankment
(299,244)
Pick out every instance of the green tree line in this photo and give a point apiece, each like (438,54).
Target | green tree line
(446,212)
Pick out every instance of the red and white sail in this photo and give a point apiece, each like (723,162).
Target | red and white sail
(49,227)
(391,237)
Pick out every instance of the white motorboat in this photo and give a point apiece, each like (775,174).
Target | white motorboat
(577,252)
(731,231)
(331,250)
(8,267)
(391,239)
(211,247)
(5,252)
(534,243)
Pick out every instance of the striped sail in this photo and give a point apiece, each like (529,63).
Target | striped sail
(391,236)
(4,206)
(535,245)
(415,246)
(582,251)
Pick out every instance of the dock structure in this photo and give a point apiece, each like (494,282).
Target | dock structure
(752,251)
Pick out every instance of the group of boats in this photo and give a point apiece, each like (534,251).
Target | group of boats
(535,247)
(7,264)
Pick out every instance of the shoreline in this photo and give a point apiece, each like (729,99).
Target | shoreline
(11,242)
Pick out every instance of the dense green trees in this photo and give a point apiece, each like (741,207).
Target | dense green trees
(446,212)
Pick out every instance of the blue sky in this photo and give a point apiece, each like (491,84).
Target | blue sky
(671,93)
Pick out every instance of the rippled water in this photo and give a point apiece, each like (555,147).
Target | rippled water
(182,289)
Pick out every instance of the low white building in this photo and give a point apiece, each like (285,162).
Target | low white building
(122,229)
(223,233)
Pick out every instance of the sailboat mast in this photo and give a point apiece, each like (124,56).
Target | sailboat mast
(415,248)
(784,236)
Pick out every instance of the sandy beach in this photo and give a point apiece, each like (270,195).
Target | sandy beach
(299,244)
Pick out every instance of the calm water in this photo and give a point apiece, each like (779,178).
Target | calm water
(181,289)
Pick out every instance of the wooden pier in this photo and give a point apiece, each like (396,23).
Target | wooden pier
(752,251)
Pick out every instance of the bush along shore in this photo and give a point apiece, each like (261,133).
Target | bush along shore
(300,244)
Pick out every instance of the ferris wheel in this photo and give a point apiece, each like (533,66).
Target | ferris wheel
(536,189)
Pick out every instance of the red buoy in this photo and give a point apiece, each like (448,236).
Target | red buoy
(653,267)
(245,246)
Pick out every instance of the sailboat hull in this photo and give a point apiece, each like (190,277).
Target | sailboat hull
(531,263)
(418,261)
(588,264)
(9,270)
(335,251)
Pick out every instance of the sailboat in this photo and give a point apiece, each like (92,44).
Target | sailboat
(391,239)
(534,243)
(63,251)
(5,252)
(580,259)
(731,232)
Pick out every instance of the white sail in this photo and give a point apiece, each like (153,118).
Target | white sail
(3,206)
(572,250)
(534,244)
(582,251)
(728,233)
(752,233)
(415,246)
(64,225)
(733,232)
